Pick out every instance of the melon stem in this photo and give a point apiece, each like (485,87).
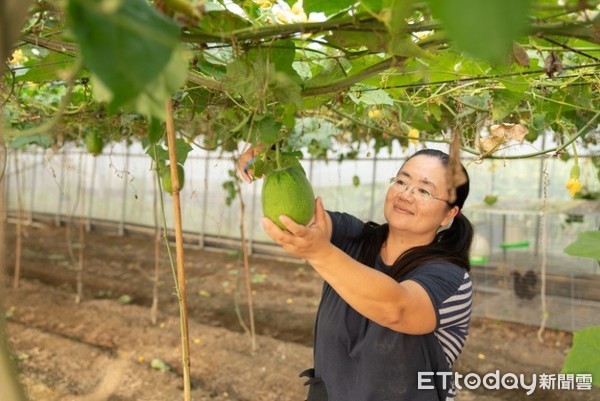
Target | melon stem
(277,159)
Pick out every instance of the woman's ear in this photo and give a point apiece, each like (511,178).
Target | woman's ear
(450,216)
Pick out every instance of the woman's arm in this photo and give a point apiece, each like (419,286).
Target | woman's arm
(404,307)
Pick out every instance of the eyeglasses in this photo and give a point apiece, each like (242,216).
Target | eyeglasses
(421,193)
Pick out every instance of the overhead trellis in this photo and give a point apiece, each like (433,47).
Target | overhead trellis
(254,71)
(477,74)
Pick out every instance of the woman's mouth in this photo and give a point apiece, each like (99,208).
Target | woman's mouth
(402,209)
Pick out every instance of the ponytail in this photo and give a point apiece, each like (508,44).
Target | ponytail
(451,245)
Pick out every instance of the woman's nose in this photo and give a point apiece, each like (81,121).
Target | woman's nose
(407,195)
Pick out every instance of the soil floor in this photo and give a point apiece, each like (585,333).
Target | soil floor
(105,346)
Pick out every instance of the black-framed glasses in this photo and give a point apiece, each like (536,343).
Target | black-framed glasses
(420,193)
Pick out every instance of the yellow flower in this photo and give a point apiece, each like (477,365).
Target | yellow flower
(413,136)
(18,57)
(374,114)
(263,3)
(574,186)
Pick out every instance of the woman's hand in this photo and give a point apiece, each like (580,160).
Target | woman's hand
(244,165)
(309,242)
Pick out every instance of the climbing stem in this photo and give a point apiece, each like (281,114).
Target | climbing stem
(277,157)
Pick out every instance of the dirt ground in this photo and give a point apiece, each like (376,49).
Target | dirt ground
(106,347)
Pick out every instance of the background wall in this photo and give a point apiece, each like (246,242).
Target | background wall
(118,190)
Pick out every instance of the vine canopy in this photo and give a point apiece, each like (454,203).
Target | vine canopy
(305,73)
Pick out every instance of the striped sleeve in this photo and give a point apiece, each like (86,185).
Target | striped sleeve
(455,314)
(451,293)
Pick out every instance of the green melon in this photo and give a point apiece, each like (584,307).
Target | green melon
(288,192)
(166,178)
(94,142)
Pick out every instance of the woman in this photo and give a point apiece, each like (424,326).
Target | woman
(396,301)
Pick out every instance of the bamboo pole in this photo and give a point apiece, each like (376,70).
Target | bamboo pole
(81,238)
(181,285)
(3,209)
(12,16)
(157,241)
(10,387)
(19,225)
(248,279)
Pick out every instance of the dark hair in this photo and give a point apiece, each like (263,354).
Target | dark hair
(451,245)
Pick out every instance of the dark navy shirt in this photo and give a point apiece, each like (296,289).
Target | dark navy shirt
(359,360)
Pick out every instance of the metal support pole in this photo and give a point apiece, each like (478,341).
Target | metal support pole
(6,185)
(125,185)
(252,219)
(536,243)
(88,220)
(204,202)
(61,190)
(32,189)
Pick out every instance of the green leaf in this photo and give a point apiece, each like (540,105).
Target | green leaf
(287,115)
(182,148)
(240,78)
(474,103)
(127,45)
(584,357)
(329,71)
(47,68)
(282,55)
(485,29)
(222,22)
(404,46)
(158,154)
(314,133)
(151,101)
(286,89)
(505,102)
(267,131)
(537,127)
(265,75)
(327,7)
(371,5)
(267,162)
(374,41)
(394,14)
(371,96)
(515,83)
(587,245)
(451,65)
(41,139)
(435,110)
(156,130)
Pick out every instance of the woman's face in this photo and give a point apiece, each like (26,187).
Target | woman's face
(416,202)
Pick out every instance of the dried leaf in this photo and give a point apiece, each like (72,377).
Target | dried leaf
(553,65)
(520,55)
(501,134)
(456,176)
(489,145)
(509,132)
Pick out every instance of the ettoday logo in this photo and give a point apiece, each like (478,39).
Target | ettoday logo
(506,381)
